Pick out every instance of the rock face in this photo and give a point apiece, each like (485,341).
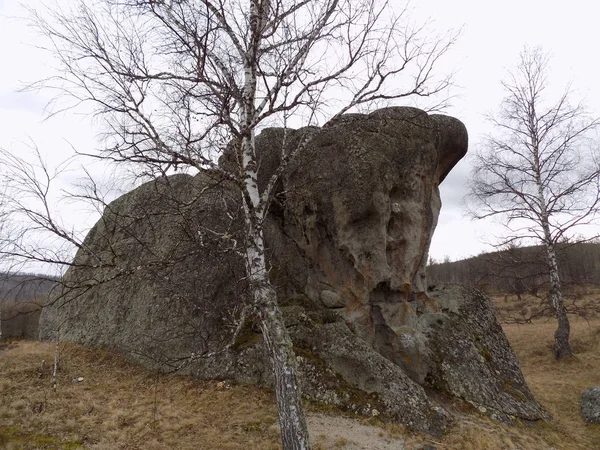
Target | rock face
(160,276)
(590,405)
(361,204)
(148,280)
(469,356)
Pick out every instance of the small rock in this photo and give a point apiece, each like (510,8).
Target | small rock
(332,299)
(590,405)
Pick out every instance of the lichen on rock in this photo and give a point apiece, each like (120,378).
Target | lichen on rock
(590,405)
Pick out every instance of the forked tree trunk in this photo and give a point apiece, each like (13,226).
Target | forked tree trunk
(562,348)
(294,432)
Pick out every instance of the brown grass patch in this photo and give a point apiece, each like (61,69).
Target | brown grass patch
(558,384)
(122,406)
(583,301)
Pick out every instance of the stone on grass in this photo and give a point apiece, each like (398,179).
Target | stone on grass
(590,405)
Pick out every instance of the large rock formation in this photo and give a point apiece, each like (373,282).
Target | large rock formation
(160,276)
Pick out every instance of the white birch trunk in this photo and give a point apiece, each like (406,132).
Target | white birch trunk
(562,349)
(294,431)
(55,366)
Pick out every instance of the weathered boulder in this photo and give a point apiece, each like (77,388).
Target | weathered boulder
(361,203)
(149,279)
(590,405)
(161,275)
(336,367)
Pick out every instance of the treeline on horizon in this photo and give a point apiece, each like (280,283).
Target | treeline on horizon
(21,296)
(25,286)
(521,270)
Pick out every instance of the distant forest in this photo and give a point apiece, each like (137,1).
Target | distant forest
(520,270)
(20,299)
(24,287)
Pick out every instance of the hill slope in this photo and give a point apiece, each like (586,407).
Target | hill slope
(20,299)
(520,269)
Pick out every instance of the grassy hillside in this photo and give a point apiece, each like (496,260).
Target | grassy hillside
(521,269)
(23,287)
(122,406)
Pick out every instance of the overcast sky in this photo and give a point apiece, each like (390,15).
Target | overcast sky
(493,35)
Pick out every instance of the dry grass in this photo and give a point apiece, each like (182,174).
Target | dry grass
(557,385)
(582,300)
(122,406)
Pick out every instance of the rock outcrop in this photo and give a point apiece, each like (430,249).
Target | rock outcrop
(160,276)
(469,356)
(149,280)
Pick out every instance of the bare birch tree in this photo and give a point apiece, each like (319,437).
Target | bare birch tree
(176,82)
(540,171)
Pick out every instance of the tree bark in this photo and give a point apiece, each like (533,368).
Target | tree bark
(294,431)
(562,348)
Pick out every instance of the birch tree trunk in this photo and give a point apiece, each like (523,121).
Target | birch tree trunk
(56,361)
(562,349)
(294,431)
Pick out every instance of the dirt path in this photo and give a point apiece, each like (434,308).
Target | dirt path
(331,432)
